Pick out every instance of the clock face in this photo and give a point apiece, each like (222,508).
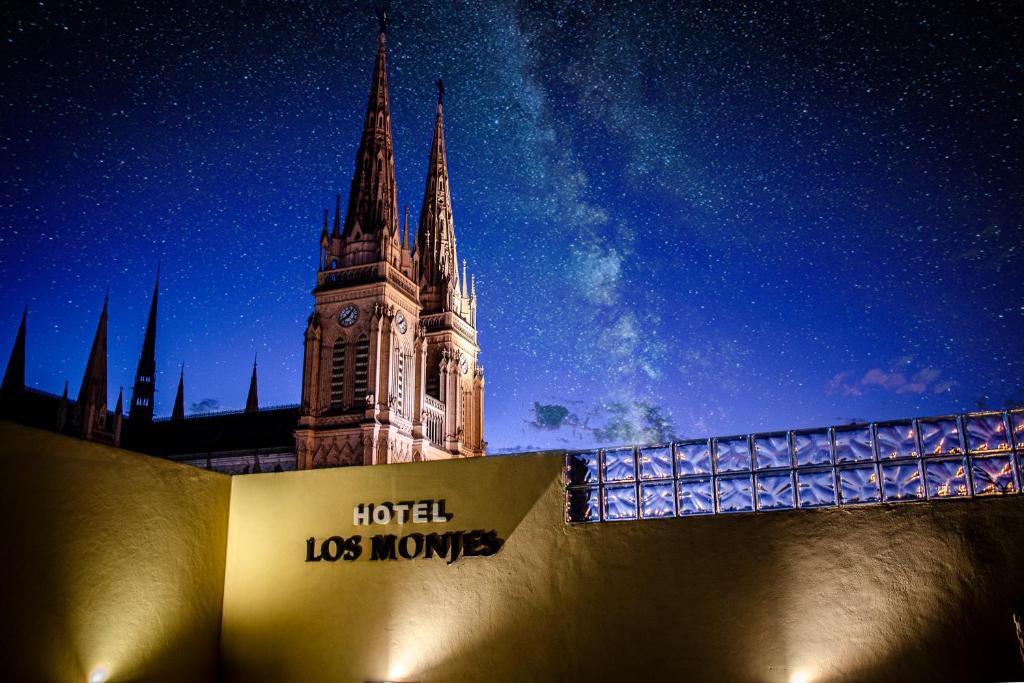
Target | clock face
(400,321)
(464,365)
(348,316)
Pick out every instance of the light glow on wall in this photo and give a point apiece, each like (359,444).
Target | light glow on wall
(99,674)
(801,676)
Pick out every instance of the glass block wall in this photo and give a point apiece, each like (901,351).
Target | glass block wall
(948,457)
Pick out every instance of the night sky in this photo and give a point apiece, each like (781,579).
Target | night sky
(684,218)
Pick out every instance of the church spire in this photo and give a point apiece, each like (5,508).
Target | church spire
(435,237)
(372,202)
(14,377)
(91,407)
(141,409)
(178,413)
(118,417)
(252,404)
(336,230)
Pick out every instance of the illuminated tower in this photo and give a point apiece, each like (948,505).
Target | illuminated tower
(453,381)
(389,369)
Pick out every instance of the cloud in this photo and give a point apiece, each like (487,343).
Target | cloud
(634,422)
(206,405)
(552,416)
(615,422)
(895,380)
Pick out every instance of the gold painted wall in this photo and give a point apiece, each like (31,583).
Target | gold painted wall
(110,559)
(910,592)
(116,559)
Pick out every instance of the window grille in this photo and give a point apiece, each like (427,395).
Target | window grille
(338,374)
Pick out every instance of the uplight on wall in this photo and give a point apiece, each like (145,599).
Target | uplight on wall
(99,675)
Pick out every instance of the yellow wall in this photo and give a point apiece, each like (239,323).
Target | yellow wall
(110,559)
(118,559)
(910,592)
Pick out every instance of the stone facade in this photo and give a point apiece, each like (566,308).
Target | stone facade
(390,371)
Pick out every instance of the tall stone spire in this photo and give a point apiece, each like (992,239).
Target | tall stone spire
(14,377)
(371,222)
(178,413)
(118,417)
(252,404)
(141,409)
(437,261)
(91,407)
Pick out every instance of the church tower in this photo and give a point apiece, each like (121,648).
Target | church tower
(389,369)
(141,410)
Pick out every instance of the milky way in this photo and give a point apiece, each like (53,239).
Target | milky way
(683,218)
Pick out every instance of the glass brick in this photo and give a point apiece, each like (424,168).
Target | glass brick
(858,485)
(656,463)
(696,497)
(986,433)
(619,465)
(693,457)
(853,444)
(812,448)
(581,468)
(657,500)
(993,475)
(816,488)
(946,478)
(902,481)
(1017,427)
(775,492)
(896,440)
(771,451)
(732,455)
(619,502)
(735,494)
(940,437)
(583,505)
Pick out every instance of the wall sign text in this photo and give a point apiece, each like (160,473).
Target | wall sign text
(449,546)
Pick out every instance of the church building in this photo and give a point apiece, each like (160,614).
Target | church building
(390,371)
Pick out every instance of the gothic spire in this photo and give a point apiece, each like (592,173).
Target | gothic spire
(336,230)
(178,413)
(118,417)
(405,231)
(372,203)
(14,377)
(252,404)
(91,407)
(141,409)
(435,236)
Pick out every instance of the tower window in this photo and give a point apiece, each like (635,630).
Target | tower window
(362,367)
(400,377)
(434,373)
(338,374)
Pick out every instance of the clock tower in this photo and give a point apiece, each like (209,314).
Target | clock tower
(390,370)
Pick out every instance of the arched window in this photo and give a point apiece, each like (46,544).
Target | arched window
(400,380)
(434,373)
(338,374)
(362,367)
